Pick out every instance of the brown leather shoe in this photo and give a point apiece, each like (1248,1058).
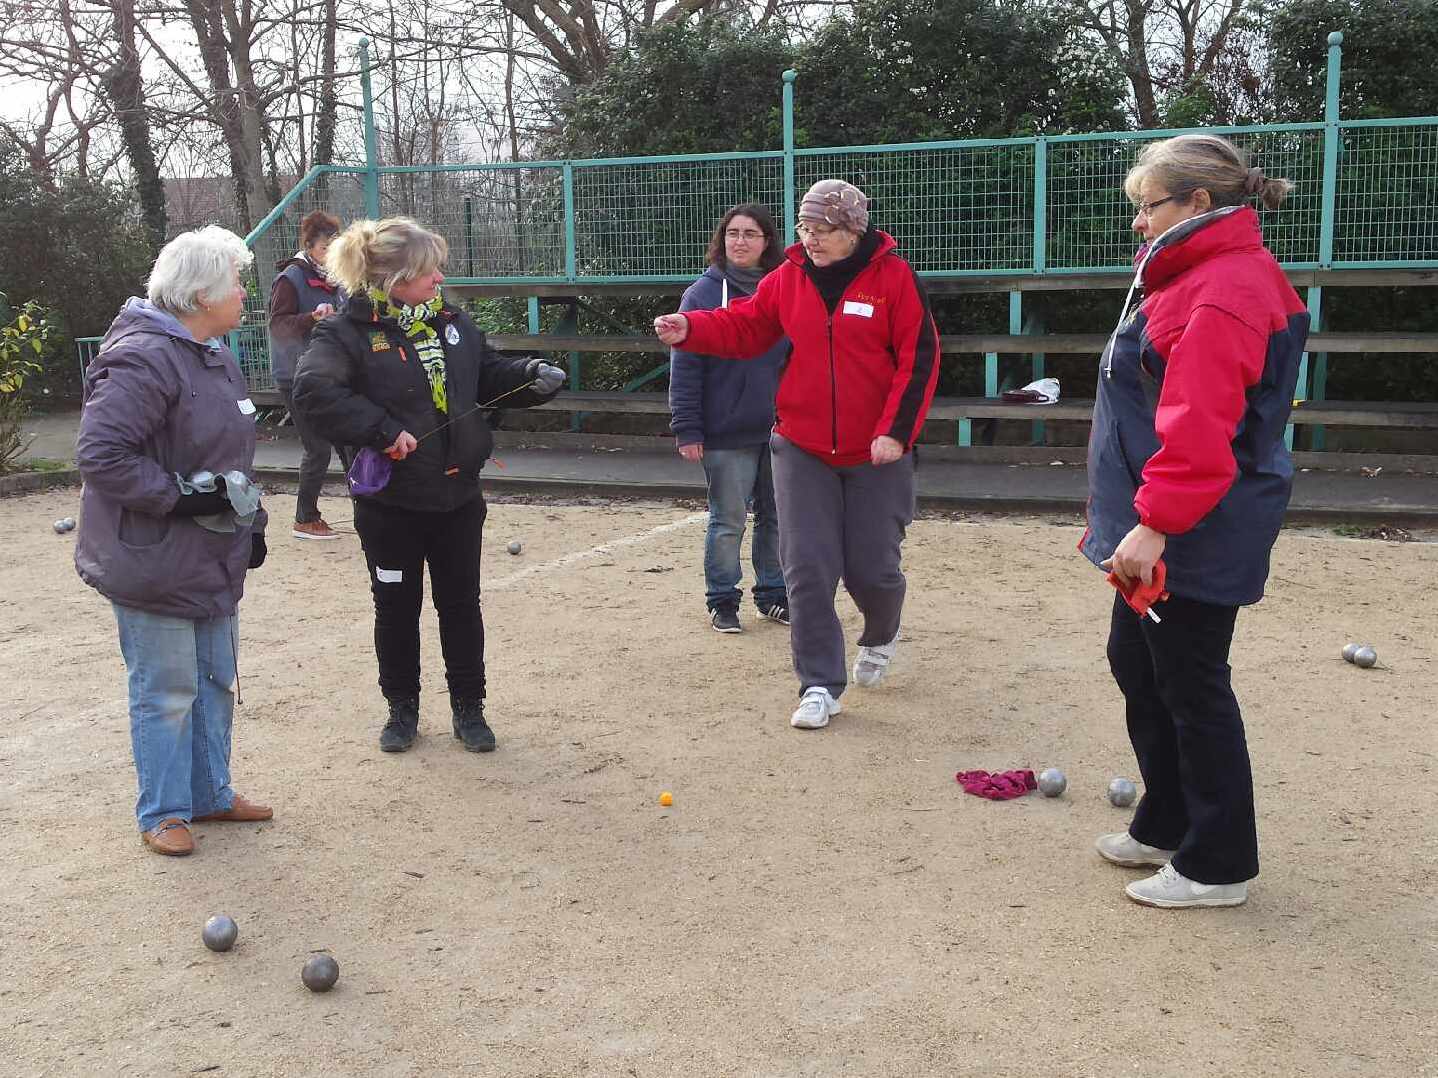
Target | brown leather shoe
(170,837)
(315,529)
(242,811)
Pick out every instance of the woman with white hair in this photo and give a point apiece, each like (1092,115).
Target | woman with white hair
(170,522)
(400,379)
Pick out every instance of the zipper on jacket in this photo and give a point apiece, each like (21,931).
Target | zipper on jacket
(833,387)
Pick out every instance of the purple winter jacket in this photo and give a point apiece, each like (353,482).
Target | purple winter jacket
(159,402)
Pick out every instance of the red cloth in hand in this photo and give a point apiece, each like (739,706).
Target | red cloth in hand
(1141,596)
(999,786)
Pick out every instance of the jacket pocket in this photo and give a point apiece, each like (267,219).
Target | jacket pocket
(140,530)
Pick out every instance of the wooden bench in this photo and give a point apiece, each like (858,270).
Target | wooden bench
(1055,344)
(1328,413)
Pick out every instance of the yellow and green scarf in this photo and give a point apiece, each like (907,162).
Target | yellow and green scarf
(416,322)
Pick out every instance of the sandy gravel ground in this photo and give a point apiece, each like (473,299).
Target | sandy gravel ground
(813,904)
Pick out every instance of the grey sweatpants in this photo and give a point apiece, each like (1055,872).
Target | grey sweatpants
(839,523)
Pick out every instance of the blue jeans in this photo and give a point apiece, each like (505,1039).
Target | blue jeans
(182,705)
(736,477)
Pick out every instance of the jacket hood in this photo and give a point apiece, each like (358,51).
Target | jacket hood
(139,315)
(1186,244)
(795,251)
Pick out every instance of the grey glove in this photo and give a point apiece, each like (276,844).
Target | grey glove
(547,378)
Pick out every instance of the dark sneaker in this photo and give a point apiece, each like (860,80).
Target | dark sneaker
(726,621)
(775,612)
(470,727)
(399,733)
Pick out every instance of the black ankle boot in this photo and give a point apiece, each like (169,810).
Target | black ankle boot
(399,732)
(470,727)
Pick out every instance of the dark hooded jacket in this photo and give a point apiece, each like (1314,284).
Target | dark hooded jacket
(361,383)
(159,403)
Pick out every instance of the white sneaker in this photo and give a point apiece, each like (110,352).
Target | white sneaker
(871,662)
(814,710)
(1123,849)
(1171,890)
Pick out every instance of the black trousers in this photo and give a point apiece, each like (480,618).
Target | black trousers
(1187,732)
(398,543)
(314,463)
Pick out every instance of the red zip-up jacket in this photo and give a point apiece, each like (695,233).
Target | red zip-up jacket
(868,369)
(1194,392)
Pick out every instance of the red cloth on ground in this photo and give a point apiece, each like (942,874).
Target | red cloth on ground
(999,786)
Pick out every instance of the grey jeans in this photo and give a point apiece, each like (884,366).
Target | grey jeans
(839,523)
(314,464)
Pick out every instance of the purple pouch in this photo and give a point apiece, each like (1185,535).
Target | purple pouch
(370,472)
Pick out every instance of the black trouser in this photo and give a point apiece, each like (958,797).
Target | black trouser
(314,464)
(397,544)
(1184,722)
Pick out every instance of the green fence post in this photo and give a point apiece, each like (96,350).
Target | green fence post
(468,236)
(1319,370)
(789,222)
(1041,209)
(1331,149)
(371,140)
(1035,325)
(534,315)
(571,259)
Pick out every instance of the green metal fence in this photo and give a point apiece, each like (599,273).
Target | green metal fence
(1364,198)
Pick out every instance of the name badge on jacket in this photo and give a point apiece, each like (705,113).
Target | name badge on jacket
(451,333)
(246,406)
(863,310)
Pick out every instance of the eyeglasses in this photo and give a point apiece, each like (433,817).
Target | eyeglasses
(743,234)
(1145,209)
(818,232)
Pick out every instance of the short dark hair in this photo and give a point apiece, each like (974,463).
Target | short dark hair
(317,225)
(773,249)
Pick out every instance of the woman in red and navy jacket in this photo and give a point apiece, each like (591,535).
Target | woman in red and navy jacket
(1187,464)
(851,402)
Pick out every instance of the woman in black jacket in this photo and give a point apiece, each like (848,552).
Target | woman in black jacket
(402,373)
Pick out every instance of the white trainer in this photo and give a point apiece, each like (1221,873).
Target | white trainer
(871,662)
(814,710)
(1170,889)
(1123,849)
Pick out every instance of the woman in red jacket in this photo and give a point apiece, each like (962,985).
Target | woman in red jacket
(1187,464)
(851,402)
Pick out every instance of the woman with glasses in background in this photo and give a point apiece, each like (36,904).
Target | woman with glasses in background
(721,415)
(851,402)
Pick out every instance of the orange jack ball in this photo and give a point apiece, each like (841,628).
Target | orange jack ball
(666,799)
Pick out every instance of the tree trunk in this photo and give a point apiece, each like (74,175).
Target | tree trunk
(328,104)
(224,40)
(126,91)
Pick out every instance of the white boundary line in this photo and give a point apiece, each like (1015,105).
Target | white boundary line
(593,552)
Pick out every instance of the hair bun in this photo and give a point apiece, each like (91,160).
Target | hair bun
(1254,182)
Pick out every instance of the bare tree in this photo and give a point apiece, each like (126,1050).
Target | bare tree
(124,85)
(1164,46)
